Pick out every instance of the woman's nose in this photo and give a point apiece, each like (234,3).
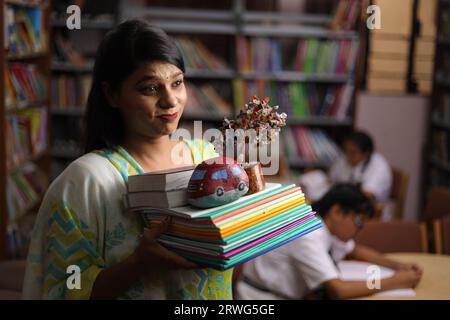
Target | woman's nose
(168,99)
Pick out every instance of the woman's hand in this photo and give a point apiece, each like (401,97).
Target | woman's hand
(150,255)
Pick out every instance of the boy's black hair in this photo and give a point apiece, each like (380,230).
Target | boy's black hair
(362,140)
(349,197)
(120,53)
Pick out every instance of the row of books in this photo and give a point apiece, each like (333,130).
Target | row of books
(326,56)
(313,56)
(311,145)
(23,85)
(24,188)
(26,135)
(299,99)
(441,145)
(206,100)
(70,91)
(197,56)
(224,236)
(346,15)
(24,31)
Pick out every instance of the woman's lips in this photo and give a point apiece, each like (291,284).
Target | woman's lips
(169,117)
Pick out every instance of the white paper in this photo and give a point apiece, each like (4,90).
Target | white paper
(359,271)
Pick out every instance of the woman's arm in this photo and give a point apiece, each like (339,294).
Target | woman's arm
(149,257)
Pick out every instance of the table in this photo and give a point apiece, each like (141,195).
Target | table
(435,282)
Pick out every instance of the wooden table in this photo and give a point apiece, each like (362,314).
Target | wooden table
(435,282)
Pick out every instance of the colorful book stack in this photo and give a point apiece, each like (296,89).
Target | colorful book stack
(23,85)
(26,134)
(310,145)
(24,30)
(228,235)
(23,189)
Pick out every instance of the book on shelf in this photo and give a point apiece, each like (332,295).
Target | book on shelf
(310,145)
(330,57)
(312,56)
(23,189)
(69,92)
(346,15)
(24,30)
(198,57)
(258,54)
(301,100)
(26,133)
(206,100)
(23,85)
(228,235)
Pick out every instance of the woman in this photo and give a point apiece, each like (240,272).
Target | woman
(362,165)
(136,101)
(306,267)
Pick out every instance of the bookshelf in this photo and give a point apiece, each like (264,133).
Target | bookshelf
(437,154)
(24,123)
(241,24)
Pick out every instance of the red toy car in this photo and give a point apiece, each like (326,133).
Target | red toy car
(217,183)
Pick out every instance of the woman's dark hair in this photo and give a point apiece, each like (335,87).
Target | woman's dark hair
(348,196)
(121,52)
(363,141)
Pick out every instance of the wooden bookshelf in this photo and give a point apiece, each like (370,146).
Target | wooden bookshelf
(41,60)
(437,171)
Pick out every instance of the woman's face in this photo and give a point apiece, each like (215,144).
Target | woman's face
(152,100)
(353,153)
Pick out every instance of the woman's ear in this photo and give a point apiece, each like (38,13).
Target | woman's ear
(109,95)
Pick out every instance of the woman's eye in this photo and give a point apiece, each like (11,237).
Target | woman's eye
(149,89)
(177,83)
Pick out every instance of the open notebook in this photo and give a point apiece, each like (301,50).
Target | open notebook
(357,271)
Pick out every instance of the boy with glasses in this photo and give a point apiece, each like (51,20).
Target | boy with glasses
(306,267)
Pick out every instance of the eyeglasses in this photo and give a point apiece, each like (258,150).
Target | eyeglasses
(358,222)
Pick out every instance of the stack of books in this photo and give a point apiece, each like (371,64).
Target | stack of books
(158,189)
(228,235)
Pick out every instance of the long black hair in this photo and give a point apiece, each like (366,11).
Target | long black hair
(120,53)
(348,196)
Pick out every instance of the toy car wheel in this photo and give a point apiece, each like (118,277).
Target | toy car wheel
(241,186)
(220,191)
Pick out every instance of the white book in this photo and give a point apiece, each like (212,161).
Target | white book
(163,180)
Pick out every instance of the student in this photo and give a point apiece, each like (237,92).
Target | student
(362,165)
(136,101)
(307,266)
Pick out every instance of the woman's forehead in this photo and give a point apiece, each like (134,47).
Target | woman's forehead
(158,70)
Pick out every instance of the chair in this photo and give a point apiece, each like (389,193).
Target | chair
(11,279)
(399,190)
(394,236)
(441,228)
(438,203)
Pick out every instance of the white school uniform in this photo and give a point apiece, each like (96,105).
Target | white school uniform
(296,268)
(375,177)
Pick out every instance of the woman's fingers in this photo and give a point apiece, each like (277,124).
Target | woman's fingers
(157,228)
